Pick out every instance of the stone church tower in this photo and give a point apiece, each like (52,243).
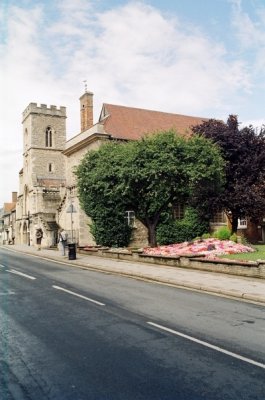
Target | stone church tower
(42,179)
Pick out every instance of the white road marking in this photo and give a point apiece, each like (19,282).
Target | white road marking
(78,295)
(13,271)
(7,293)
(211,346)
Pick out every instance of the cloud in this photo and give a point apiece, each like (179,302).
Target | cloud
(256,123)
(247,29)
(163,64)
(250,33)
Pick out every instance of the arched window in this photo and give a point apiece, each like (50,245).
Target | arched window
(48,137)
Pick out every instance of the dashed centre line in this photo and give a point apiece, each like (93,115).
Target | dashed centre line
(79,295)
(9,292)
(13,271)
(206,344)
(164,328)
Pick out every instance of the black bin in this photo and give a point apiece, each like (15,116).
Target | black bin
(71,251)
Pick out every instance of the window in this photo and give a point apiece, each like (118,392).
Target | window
(218,218)
(242,223)
(130,218)
(48,137)
(26,138)
(72,190)
(178,211)
(50,167)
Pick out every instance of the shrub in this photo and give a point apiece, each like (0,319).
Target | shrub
(215,234)
(206,236)
(111,231)
(223,233)
(234,237)
(171,231)
(166,232)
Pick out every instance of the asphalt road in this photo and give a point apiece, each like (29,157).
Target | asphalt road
(68,333)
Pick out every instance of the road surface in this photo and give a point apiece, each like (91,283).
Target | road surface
(68,333)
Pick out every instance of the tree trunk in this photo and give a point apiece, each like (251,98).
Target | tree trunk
(234,223)
(152,235)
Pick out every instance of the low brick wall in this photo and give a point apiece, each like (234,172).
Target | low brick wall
(255,269)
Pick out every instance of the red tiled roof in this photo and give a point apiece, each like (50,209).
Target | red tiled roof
(8,207)
(132,123)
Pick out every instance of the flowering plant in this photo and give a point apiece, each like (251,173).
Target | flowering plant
(208,247)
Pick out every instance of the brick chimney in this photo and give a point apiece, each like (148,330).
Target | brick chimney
(14,197)
(86,111)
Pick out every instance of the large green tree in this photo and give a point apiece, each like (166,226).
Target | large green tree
(101,187)
(244,153)
(167,168)
(146,176)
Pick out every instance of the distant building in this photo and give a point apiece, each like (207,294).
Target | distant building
(8,221)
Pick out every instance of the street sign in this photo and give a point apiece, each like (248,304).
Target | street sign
(71,209)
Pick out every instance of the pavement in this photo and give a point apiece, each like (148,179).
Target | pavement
(238,287)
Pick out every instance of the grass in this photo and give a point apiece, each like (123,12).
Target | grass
(259,254)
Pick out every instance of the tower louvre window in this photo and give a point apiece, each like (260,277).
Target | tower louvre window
(48,137)
(26,138)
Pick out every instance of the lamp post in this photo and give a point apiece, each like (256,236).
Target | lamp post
(11,233)
(28,219)
(71,246)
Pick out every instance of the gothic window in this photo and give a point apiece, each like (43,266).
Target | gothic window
(48,137)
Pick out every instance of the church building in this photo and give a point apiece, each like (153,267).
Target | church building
(47,197)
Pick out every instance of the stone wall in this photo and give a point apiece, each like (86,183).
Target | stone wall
(254,269)
(139,236)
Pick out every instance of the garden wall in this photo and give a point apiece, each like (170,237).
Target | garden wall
(255,269)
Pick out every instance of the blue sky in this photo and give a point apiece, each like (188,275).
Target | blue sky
(196,57)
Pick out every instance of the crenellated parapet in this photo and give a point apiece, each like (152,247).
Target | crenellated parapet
(43,109)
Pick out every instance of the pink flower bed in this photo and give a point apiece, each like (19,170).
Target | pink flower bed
(207,247)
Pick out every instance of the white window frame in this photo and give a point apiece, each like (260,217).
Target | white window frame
(130,217)
(242,223)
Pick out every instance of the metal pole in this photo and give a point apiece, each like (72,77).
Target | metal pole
(28,229)
(72,223)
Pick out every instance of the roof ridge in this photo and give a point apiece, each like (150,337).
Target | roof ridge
(154,111)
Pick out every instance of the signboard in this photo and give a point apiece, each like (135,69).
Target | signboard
(71,209)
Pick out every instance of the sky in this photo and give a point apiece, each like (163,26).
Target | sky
(203,58)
